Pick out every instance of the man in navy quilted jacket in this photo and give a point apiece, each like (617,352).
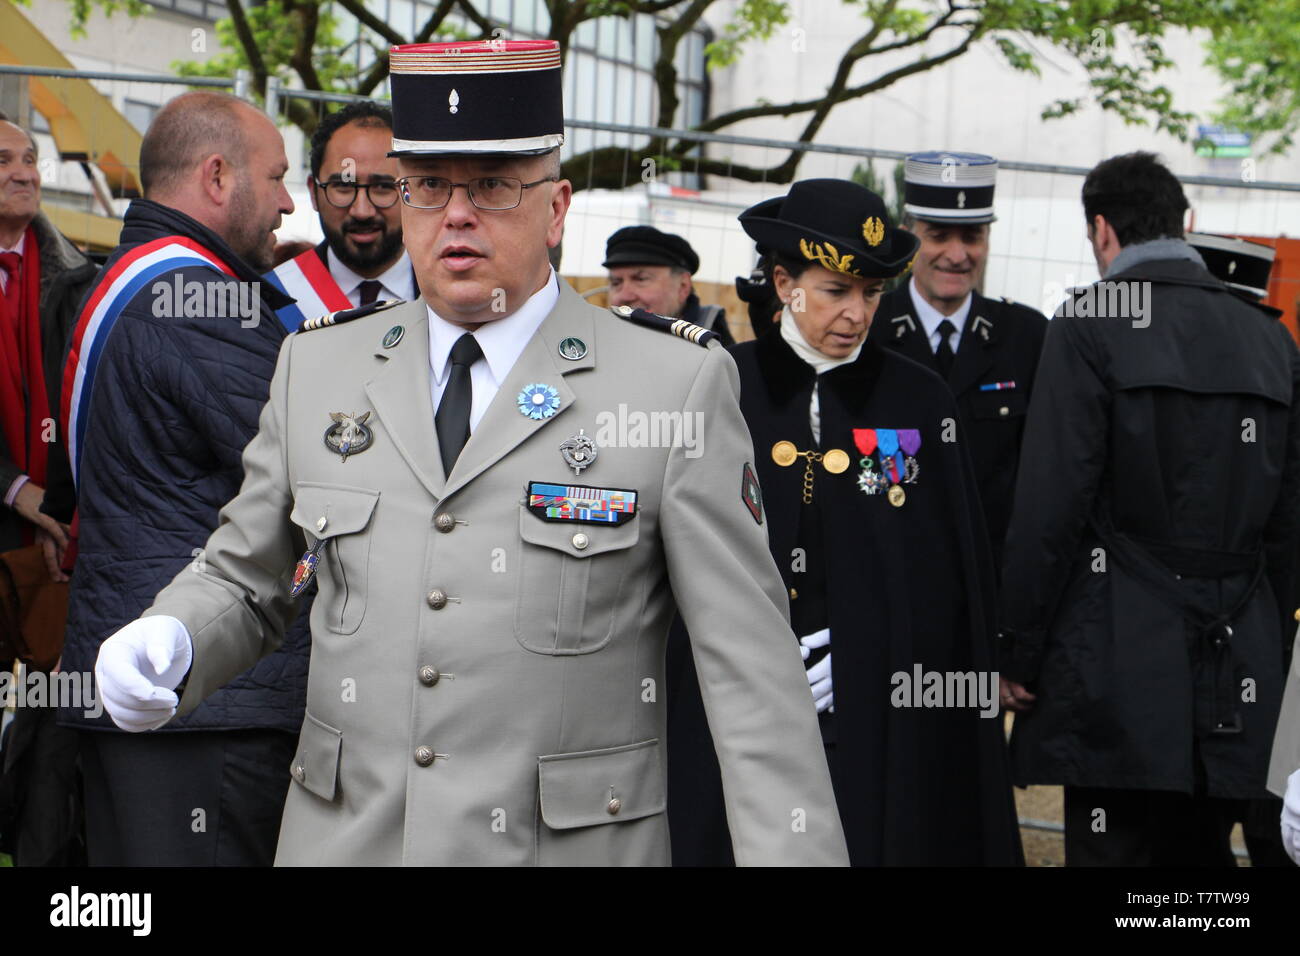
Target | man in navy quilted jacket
(168,369)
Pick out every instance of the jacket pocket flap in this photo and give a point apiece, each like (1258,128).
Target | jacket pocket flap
(344,510)
(316,764)
(578,539)
(602,786)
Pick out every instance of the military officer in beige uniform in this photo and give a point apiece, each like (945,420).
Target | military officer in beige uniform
(482,487)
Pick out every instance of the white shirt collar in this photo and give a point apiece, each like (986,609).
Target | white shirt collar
(397,281)
(22,241)
(502,340)
(931,317)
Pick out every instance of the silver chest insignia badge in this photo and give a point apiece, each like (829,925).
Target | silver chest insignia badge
(579,451)
(349,434)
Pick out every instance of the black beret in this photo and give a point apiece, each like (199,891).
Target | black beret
(647,246)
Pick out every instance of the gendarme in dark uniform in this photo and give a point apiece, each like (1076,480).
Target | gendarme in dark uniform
(993,344)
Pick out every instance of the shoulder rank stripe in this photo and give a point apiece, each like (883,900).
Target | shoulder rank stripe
(347,315)
(678,327)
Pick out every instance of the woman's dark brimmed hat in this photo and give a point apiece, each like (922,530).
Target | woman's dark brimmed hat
(832,223)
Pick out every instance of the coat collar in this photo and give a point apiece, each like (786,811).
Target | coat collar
(787,376)
(402,397)
(146,220)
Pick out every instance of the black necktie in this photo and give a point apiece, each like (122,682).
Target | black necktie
(943,354)
(452,419)
(369,291)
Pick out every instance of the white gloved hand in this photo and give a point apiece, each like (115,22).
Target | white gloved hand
(1291,818)
(139,667)
(819,675)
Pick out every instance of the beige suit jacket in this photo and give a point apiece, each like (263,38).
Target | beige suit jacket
(486,687)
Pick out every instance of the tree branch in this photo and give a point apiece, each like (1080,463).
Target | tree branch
(301,60)
(480,21)
(434,21)
(647,6)
(804,106)
(369,20)
(239,20)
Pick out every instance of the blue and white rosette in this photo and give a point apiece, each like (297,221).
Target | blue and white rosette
(538,401)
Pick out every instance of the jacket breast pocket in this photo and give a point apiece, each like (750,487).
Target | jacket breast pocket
(338,517)
(603,807)
(572,577)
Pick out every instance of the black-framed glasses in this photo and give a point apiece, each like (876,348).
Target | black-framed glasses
(486,192)
(381,194)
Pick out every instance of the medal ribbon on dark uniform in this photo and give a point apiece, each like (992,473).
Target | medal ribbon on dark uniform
(870,481)
(909,439)
(891,459)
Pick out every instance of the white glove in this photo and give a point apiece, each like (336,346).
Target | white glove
(138,668)
(1291,818)
(819,675)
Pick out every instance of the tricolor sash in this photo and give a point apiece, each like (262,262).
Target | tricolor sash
(307,280)
(118,286)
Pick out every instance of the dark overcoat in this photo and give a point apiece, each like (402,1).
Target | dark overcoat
(1155,524)
(900,588)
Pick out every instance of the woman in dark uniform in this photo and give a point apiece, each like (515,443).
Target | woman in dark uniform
(874,523)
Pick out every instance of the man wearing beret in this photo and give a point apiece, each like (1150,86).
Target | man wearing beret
(498,546)
(652,270)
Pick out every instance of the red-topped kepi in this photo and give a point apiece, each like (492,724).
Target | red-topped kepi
(489,96)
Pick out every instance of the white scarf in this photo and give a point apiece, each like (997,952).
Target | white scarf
(819,361)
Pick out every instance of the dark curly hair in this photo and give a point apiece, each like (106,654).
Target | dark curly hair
(363,112)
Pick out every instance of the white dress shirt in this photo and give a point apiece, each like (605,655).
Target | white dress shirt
(396,283)
(502,342)
(931,318)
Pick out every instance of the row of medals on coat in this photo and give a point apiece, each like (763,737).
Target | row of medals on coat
(887,462)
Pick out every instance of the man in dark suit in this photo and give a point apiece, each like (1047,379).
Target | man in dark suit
(352,189)
(986,349)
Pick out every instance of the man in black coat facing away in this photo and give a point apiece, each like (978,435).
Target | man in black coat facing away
(1151,540)
(985,349)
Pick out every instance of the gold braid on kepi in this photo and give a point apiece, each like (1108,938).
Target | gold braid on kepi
(678,327)
(347,315)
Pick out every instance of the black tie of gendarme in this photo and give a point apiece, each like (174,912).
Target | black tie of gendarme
(369,291)
(452,419)
(943,354)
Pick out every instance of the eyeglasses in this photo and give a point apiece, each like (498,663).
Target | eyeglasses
(381,194)
(486,192)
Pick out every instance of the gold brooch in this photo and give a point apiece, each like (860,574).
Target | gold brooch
(873,230)
(828,256)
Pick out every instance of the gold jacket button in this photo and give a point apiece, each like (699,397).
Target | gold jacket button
(437,599)
(614,806)
(444,522)
(580,541)
(429,675)
(1004,411)
(424,756)
(299,773)
(793,594)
